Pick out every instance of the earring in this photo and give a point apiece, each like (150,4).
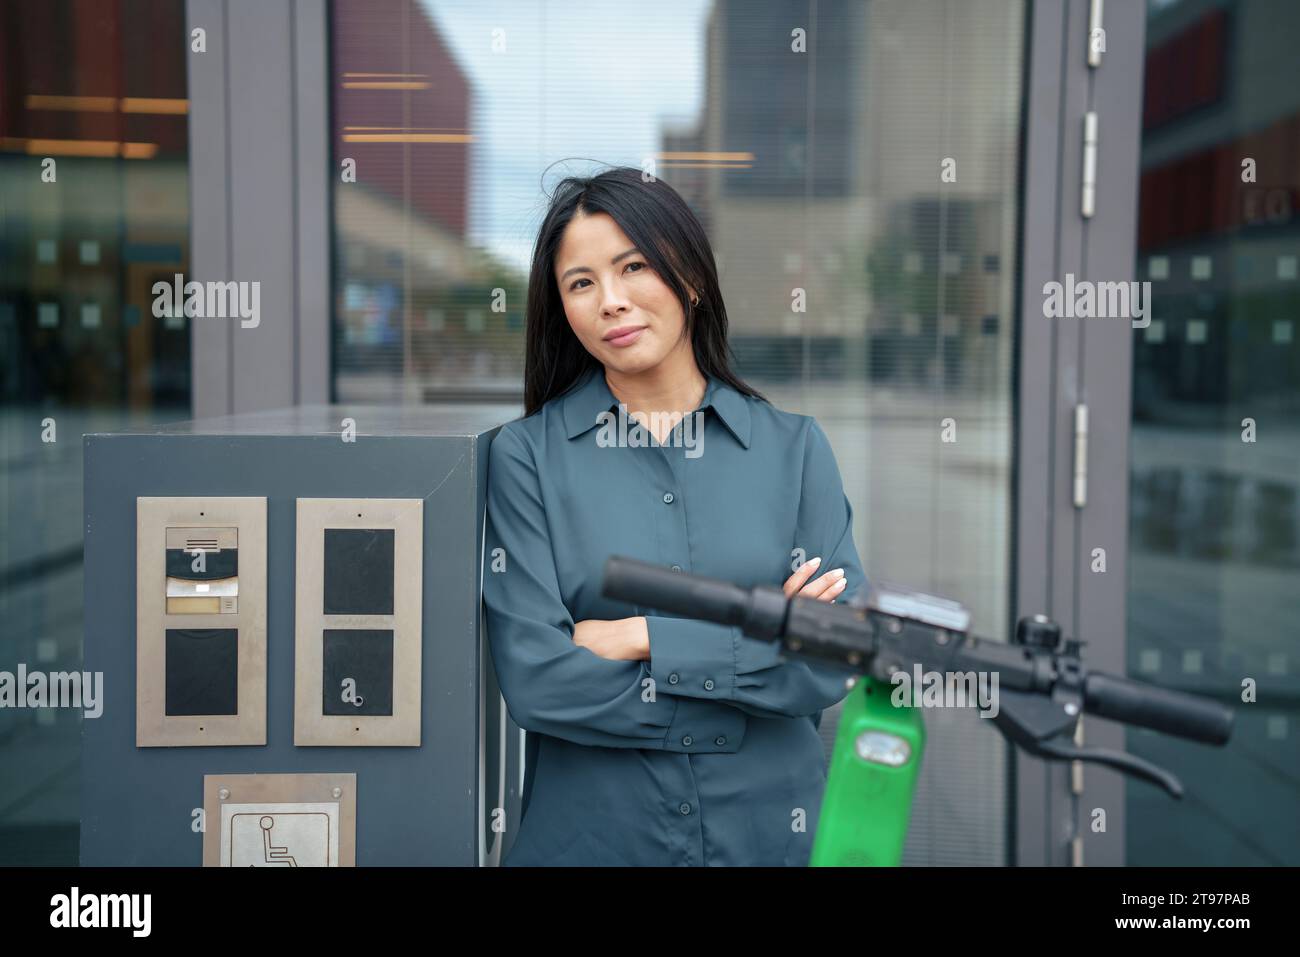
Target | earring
(695,301)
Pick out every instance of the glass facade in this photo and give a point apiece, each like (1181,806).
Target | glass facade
(94,208)
(855,165)
(1215,447)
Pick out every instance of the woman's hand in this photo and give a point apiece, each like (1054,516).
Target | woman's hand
(624,639)
(825,588)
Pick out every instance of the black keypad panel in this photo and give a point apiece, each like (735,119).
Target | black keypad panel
(202,667)
(358,672)
(358,571)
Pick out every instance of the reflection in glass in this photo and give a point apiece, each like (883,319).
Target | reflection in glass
(1215,452)
(855,165)
(94,189)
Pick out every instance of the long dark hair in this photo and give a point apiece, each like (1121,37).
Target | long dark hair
(667,233)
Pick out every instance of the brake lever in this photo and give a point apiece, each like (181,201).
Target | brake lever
(1037,723)
(1121,761)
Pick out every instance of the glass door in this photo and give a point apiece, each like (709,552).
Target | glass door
(1214,523)
(857,167)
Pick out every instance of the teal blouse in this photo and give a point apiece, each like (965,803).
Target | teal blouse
(708,753)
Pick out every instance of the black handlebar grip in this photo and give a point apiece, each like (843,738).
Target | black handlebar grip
(652,586)
(1160,709)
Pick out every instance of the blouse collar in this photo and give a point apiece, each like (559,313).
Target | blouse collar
(591,396)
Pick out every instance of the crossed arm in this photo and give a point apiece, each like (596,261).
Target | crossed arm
(642,681)
(757,683)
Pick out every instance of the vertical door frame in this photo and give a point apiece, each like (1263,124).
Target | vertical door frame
(1064,362)
(259,115)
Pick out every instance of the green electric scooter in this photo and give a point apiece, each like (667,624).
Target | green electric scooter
(1042,690)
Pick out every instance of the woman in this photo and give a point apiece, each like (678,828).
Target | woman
(654,740)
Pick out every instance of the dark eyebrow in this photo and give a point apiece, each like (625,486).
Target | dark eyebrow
(612,262)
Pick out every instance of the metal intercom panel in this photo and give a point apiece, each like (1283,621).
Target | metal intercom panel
(279,820)
(200,621)
(358,622)
(138,804)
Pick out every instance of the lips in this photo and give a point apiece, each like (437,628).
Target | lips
(624,336)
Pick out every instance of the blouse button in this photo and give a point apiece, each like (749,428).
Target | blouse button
(708,684)
(688,741)
(673,679)
(668,498)
(684,808)
(720,740)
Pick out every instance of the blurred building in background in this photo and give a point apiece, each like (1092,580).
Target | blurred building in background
(94,208)
(1214,537)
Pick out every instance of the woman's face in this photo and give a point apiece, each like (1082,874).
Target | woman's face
(617,306)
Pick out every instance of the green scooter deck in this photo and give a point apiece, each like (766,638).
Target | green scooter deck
(870,781)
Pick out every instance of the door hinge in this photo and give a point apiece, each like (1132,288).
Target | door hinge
(1088,202)
(1096,34)
(1076,767)
(1080,455)
(1076,788)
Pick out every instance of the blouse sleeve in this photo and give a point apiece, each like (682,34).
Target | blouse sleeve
(714,662)
(550,685)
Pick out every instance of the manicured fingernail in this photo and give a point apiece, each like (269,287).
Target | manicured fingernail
(814,562)
(837,572)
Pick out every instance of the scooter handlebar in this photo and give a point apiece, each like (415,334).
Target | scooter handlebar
(1160,709)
